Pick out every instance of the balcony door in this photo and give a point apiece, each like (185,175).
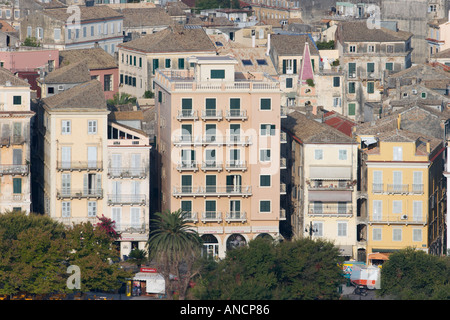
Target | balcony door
(66,157)
(235,209)
(135,163)
(65,184)
(234,183)
(116,191)
(92,157)
(116,163)
(17,156)
(187,158)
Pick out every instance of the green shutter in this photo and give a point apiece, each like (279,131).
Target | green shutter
(370,67)
(186,104)
(351,87)
(351,67)
(295,66)
(351,109)
(155,65)
(235,103)
(389,66)
(167,63)
(217,74)
(17,185)
(181,63)
(284,66)
(370,87)
(210,104)
(140,62)
(265,104)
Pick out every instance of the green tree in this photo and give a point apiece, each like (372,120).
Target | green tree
(263,270)
(33,254)
(31,42)
(92,250)
(325,45)
(175,248)
(412,274)
(121,99)
(138,257)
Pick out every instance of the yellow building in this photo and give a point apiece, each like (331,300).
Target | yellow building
(73,133)
(402,174)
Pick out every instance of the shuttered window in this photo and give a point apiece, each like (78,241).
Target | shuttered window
(217,74)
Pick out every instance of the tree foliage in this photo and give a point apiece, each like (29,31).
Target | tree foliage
(216,4)
(175,248)
(302,269)
(412,274)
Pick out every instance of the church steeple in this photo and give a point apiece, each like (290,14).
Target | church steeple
(306,68)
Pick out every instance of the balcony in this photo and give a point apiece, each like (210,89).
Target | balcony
(212,139)
(417,188)
(187,165)
(398,219)
(208,114)
(283,112)
(283,163)
(283,137)
(232,114)
(327,185)
(14,169)
(183,140)
(227,191)
(79,165)
(211,165)
(127,172)
(190,216)
(397,188)
(330,209)
(211,216)
(187,115)
(235,216)
(282,214)
(131,227)
(377,188)
(126,199)
(236,165)
(79,193)
(239,140)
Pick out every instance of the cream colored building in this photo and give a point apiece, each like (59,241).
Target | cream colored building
(219,147)
(321,178)
(128,185)
(166,49)
(15,118)
(73,132)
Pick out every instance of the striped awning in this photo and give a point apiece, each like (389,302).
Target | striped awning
(330,173)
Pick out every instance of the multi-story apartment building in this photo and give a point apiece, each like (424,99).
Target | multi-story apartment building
(15,182)
(402,192)
(321,182)
(438,38)
(166,49)
(72,154)
(365,54)
(274,9)
(128,185)
(218,141)
(77,27)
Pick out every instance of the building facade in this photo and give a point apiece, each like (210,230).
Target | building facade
(218,141)
(15,121)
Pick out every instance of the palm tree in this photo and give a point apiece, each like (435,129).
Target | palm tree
(174,246)
(138,257)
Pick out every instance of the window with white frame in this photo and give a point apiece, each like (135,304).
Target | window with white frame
(370,48)
(376,234)
(343,154)
(264,155)
(66,127)
(267,130)
(352,48)
(135,214)
(377,210)
(396,234)
(398,154)
(57,34)
(264,206)
(92,208)
(417,234)
(417,210)
(65,209)
(397,206)
(342,229)
(318,154)
(92,126)
(318,228)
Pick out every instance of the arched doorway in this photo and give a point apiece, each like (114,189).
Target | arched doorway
(264,236)
(235,241)
(210,246)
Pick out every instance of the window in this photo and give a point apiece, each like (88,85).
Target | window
(370,87)
(168,63)
(351,109)
(417,210)
(84,32)
(261,62)
(264,180)
(417,234)
(50,90)
(351,87)
(267,130)
(265,104)
(29,31)
(389,48)
(92,126)
(289,66)
(370,48)
(92,32)
(352,69)
(92,208)
(397,234)
(264,155)
(342,154)
(65,127)
(186,208)
(57,34)
(376,234)
(140,62)
(247,62)
(69,34)
(377,210)
(318,227)
(370,67)
(336,82)
(17,100)
(398,154)
(423,95)
(264,206)
(352,48)
(108,82)
(377,181)
(217,74)
(389,66)
(289,83)
(65,209)
(155,65)
(17,185)
(318,154)
(342,229)
(397,206)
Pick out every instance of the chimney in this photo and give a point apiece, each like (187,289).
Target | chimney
(268,44)
(253,38)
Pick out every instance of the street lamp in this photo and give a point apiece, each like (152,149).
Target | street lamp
(310,229)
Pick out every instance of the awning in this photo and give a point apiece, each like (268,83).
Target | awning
(330,173)
(378,256)
(330,196)
(369,140)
